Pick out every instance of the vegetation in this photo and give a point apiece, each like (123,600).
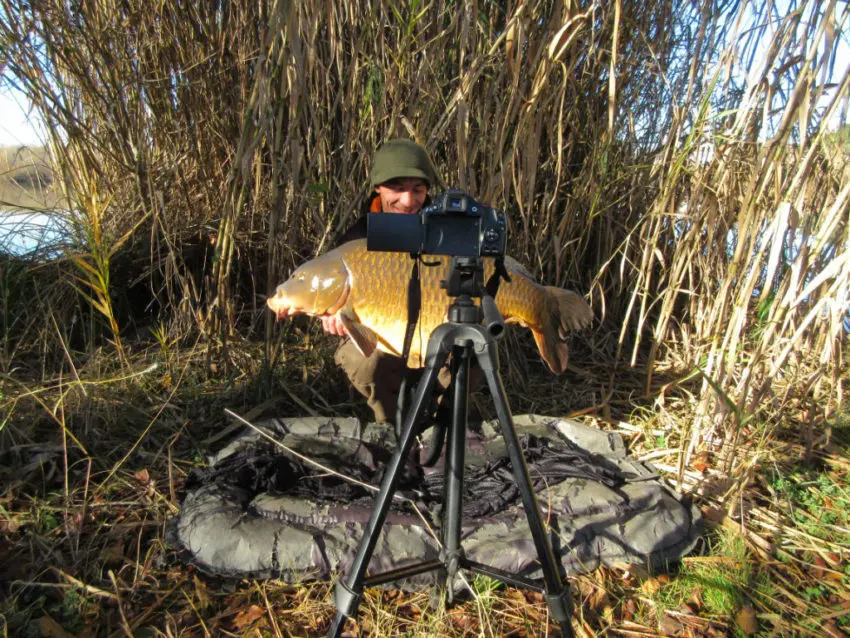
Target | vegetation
(676,160)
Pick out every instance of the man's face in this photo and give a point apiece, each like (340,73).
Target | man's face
(404,195)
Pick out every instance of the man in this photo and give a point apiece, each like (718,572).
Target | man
(401,176)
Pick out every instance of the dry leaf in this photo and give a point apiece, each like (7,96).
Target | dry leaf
(201,592)
(49,628)
(11,525)
(832,630)
(350,629)
(670,626)
(598,598)
(696,598)
(113,553)
(650,586)
(243,619)
(714,514)
(818,569)
(746,620)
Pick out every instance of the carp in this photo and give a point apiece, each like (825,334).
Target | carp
(367,290)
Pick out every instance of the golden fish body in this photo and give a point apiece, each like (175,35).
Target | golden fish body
(368,292)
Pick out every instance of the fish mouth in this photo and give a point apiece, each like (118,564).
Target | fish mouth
(283,307)
(280,307)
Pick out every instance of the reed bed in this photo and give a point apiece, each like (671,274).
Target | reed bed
(674,160)
(685,164)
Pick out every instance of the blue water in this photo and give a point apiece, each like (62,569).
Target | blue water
(24,233)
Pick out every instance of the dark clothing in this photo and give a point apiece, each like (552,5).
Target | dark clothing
(378,378)
(356,231)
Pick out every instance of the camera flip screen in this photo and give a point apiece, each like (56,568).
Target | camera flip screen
(453,235)
(394,232)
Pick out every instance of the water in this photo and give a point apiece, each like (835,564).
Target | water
(26,233)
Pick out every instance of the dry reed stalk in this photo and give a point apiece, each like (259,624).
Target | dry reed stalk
(251,126)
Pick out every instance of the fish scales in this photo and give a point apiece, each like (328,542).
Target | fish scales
(368,291)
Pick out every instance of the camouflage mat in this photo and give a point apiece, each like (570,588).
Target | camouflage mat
(260,511)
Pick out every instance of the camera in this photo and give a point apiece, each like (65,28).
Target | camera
(452,224)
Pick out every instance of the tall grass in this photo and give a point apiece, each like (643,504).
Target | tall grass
(250,127)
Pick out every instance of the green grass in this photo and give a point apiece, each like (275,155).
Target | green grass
(717,583)
(818,501)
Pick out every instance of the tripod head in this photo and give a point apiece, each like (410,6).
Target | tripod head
(465,283)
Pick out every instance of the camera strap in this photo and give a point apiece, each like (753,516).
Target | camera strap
(414,305)
(499,273)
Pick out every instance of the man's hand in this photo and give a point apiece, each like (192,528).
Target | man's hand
(333,325)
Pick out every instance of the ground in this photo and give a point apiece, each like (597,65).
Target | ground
(93,463)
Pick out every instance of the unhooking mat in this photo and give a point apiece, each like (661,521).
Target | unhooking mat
(260,511)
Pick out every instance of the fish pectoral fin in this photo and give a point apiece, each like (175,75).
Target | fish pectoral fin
(365,340)
(554,351)
(574,312)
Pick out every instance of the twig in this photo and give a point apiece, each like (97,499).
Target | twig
(89,589)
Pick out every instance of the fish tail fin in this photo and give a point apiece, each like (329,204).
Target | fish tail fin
(566,311)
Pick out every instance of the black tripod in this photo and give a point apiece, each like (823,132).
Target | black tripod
(463,336)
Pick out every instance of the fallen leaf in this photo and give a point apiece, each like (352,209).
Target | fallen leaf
(248,617)
(817,569)
(702,461)
(11,525)
(670,626)
(599,598)
(714,514)
(201,592)
(49,628)
(113,553)
(832,630)
(696,598)
(650,586)
(746,620)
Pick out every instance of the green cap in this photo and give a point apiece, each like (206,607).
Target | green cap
(401,158)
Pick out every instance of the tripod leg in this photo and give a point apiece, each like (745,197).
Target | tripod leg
(557,590)
(348,592)
(455,456)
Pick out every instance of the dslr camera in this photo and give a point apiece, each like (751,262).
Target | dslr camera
(453,224)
